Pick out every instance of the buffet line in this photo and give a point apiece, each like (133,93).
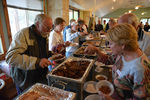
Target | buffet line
(80,77)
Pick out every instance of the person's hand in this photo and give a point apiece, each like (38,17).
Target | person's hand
(44,62)
(85,33)
(91,49)
(82,33)
(67,43)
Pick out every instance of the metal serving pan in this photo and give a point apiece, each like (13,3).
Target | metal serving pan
(74,59)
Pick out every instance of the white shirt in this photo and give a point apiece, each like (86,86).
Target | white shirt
(133,68)
(145,44)
(55,39)
(72,37)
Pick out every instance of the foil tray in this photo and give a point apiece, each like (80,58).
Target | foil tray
(48,91)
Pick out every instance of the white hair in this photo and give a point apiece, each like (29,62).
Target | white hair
(40,17)
(132,19)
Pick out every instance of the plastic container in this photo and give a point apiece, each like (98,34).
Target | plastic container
(105,87)
(90,87)
(98,69)
(100,77)
(94,97)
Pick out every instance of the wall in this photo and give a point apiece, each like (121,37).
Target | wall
(85,15)
(59,8)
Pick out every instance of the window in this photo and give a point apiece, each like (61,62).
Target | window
(20,18)
(76,15)
(14,16)
(149,21)
(1,47)
(70,14)
(73,14)
(22,14)
(143,20)
(107,20)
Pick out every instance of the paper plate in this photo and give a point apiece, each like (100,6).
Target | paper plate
(90,87)
(2,83)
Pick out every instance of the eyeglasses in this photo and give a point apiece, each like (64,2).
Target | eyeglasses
(48,28)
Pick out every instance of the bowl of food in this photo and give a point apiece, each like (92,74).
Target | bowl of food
(90,87)
(105,87)
(98,69)
(93,97)
(101,77)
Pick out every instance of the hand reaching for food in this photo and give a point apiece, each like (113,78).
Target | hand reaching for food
(44,63)
(67,43)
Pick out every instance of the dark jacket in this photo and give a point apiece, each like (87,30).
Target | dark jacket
(24,55)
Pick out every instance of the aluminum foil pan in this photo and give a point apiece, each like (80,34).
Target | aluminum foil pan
(43,92)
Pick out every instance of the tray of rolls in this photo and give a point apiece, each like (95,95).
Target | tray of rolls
(44,92)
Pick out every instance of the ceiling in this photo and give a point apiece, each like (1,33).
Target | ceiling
(102,7)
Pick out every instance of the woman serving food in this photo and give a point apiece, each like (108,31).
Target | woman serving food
(131,75)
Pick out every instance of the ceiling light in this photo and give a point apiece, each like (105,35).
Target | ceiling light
(136,7)
(114,0)
(130,11)
(143,13)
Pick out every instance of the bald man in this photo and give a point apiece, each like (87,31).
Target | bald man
(143,36)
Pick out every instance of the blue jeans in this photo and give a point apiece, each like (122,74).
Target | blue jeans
(19,90)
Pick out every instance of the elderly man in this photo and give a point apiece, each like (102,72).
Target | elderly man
(72,35)
(69,26)
(112,23)
(143,37)
(28,53)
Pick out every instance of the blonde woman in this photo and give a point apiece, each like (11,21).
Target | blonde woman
(131,76)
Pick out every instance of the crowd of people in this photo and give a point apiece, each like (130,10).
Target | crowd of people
(32,46)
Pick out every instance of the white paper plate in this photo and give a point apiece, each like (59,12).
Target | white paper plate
(94,97)
(90,87)
(2,83)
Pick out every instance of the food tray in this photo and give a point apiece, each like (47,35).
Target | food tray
(95,43)
(71,84)
(80,53)
(58,58)
(44,91)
